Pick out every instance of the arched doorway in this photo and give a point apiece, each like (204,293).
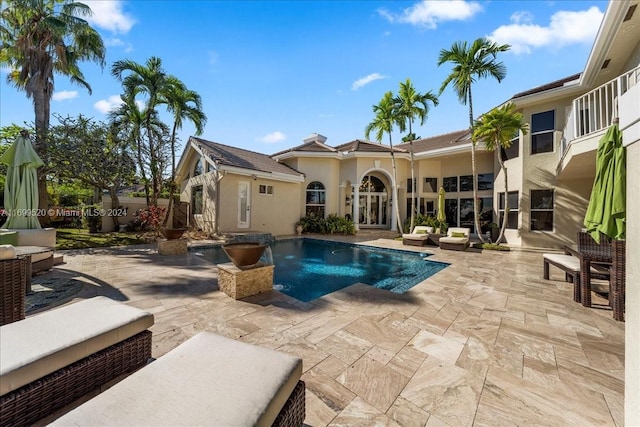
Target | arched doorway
(373,206)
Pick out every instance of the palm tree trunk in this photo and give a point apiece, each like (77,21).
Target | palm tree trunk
(413,183)
(115,204)
(506,196)
(172,183)
(474,174)
(142,172)
(395,187)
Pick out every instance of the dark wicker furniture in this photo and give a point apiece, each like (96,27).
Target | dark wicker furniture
(617,282)
(41,398)
(591,253)
(13,280)
(293,411)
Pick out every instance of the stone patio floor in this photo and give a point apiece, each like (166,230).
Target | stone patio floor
(486,341)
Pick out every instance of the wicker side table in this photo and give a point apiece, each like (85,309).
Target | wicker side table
(13,280)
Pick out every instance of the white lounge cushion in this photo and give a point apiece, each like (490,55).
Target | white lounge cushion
(460,240)
(208,380)
(44,343)
(35,237)
(420,232)
(569,262)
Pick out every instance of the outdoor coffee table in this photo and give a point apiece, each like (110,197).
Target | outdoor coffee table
(27,251)
(434,238)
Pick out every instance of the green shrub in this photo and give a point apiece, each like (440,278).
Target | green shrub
(92,219)
(492,246)
(333,224)
(426,220)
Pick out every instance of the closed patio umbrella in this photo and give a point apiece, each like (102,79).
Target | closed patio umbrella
(441,214)
(607,206)
(21,184)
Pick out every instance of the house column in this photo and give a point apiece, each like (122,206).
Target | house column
(356,206)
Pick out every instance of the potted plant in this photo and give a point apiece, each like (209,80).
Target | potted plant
(299,228)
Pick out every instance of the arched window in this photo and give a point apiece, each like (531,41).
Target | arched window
(197,170)
(315,199)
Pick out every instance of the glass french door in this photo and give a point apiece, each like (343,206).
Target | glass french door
(373,209)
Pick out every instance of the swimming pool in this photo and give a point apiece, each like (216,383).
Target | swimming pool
(307,269)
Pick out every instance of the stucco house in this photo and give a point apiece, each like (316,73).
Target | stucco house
(551,171)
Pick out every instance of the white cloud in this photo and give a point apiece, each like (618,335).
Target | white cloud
(273,137)
(64,94)
(363,81)
(108,15)
(116,42)
(428,13)
(109,104)
(565,28)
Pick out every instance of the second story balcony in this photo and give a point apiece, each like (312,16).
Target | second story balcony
(589,118)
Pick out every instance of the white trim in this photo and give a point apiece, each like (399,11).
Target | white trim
(299,154)
(276,176)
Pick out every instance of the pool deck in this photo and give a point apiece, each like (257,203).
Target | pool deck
(486,341)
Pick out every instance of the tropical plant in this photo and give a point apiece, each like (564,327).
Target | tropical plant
(84,150)
(497,129)
(183,104)
(470,63)
(411,104)
(386,116)
(41,38)
(150,218)
(332,224)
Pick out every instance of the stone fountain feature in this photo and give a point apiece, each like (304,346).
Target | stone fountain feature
(244,275)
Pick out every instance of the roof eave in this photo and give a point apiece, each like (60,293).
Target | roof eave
(277,176)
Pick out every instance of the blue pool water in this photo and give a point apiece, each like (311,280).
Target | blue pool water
(307,269)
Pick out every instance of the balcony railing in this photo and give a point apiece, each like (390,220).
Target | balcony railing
(595,110)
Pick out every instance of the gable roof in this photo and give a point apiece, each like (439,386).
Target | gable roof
(360,146)
(548,86)
(438,142)
(240,158)
(312,146)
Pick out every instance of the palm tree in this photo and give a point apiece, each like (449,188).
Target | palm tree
(183,104)
(411,104)
(40,38)
(150,80)
(386,117)
(470,63)
(497,129)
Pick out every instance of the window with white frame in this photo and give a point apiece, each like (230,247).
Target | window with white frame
(265,189)
(197,169)
(316,199)
(542,128)
(514,209)
(514,148)
(542,210)
(430,185)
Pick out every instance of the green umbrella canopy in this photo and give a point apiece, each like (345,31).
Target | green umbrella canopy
(441,214)
(607,205)
(21,184)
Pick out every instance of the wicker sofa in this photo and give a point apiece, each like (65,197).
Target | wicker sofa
(457,239)
(207,380)
(51,359)
(45,237)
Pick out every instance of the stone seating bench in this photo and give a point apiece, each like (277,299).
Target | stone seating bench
(207,380)
(51,359)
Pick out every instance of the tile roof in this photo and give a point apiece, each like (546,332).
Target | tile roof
(232,156)
(360,146)
(437,142)
(313,146)
(548,86)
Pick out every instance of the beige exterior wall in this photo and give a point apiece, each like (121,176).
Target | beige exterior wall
(632,340)
(325,171)
(131,204)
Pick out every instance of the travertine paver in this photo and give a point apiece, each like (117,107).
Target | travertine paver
(486,341)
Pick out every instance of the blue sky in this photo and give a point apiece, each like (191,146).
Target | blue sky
(271,73)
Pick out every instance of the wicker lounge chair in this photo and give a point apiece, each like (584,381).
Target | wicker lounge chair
(51,359)
(570,264)
(457,239)
(13,280)
(419,236)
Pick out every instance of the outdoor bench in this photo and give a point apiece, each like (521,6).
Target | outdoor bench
(51,359)
(571,266)
(207,380)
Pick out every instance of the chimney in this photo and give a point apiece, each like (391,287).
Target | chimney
(315,137)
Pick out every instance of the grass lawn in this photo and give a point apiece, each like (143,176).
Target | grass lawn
(67,238)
